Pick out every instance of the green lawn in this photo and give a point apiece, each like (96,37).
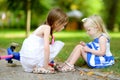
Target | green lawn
(71,38)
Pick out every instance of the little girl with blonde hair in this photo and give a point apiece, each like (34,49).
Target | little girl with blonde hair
(96,53)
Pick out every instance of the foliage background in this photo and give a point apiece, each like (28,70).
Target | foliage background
(16,11)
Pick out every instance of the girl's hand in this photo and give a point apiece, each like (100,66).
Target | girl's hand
(82,43)
(86,49)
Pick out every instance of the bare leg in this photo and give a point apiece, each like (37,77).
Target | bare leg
(77,52)
(74,51)
(69,63)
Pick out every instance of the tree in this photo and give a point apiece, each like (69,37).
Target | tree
(111,12)
(27,6)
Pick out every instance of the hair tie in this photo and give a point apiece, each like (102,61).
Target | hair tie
(53,39)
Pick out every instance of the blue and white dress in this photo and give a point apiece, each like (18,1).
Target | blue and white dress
(95,61)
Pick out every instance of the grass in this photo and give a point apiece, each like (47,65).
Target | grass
(71,39)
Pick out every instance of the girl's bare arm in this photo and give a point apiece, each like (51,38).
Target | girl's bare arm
(102,50)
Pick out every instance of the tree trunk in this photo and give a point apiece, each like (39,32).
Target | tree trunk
(112,15)
(28,18)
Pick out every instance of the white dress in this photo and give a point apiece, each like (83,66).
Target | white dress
(32,52)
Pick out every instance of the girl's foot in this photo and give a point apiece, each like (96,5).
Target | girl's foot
(42,70)
(58,66)
(67,68)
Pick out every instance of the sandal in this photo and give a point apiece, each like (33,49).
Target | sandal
(67,68)
(58,66)
(41,70)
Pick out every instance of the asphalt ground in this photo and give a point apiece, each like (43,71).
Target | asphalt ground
(81,73)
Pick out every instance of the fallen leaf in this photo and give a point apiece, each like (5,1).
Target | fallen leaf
(82,72)
(90,73)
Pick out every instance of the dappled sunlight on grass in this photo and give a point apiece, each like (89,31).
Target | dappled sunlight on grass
(62,34)
(115,35)
(70,34)
(12,34)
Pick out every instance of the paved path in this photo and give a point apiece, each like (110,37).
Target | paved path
(17,73)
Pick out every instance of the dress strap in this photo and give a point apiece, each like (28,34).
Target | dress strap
(103,34)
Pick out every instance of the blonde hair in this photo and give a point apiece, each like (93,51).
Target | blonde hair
(96,21)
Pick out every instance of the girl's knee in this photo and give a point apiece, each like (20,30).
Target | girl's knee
(79,46)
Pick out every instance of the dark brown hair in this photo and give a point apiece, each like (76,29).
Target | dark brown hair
(56,15)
